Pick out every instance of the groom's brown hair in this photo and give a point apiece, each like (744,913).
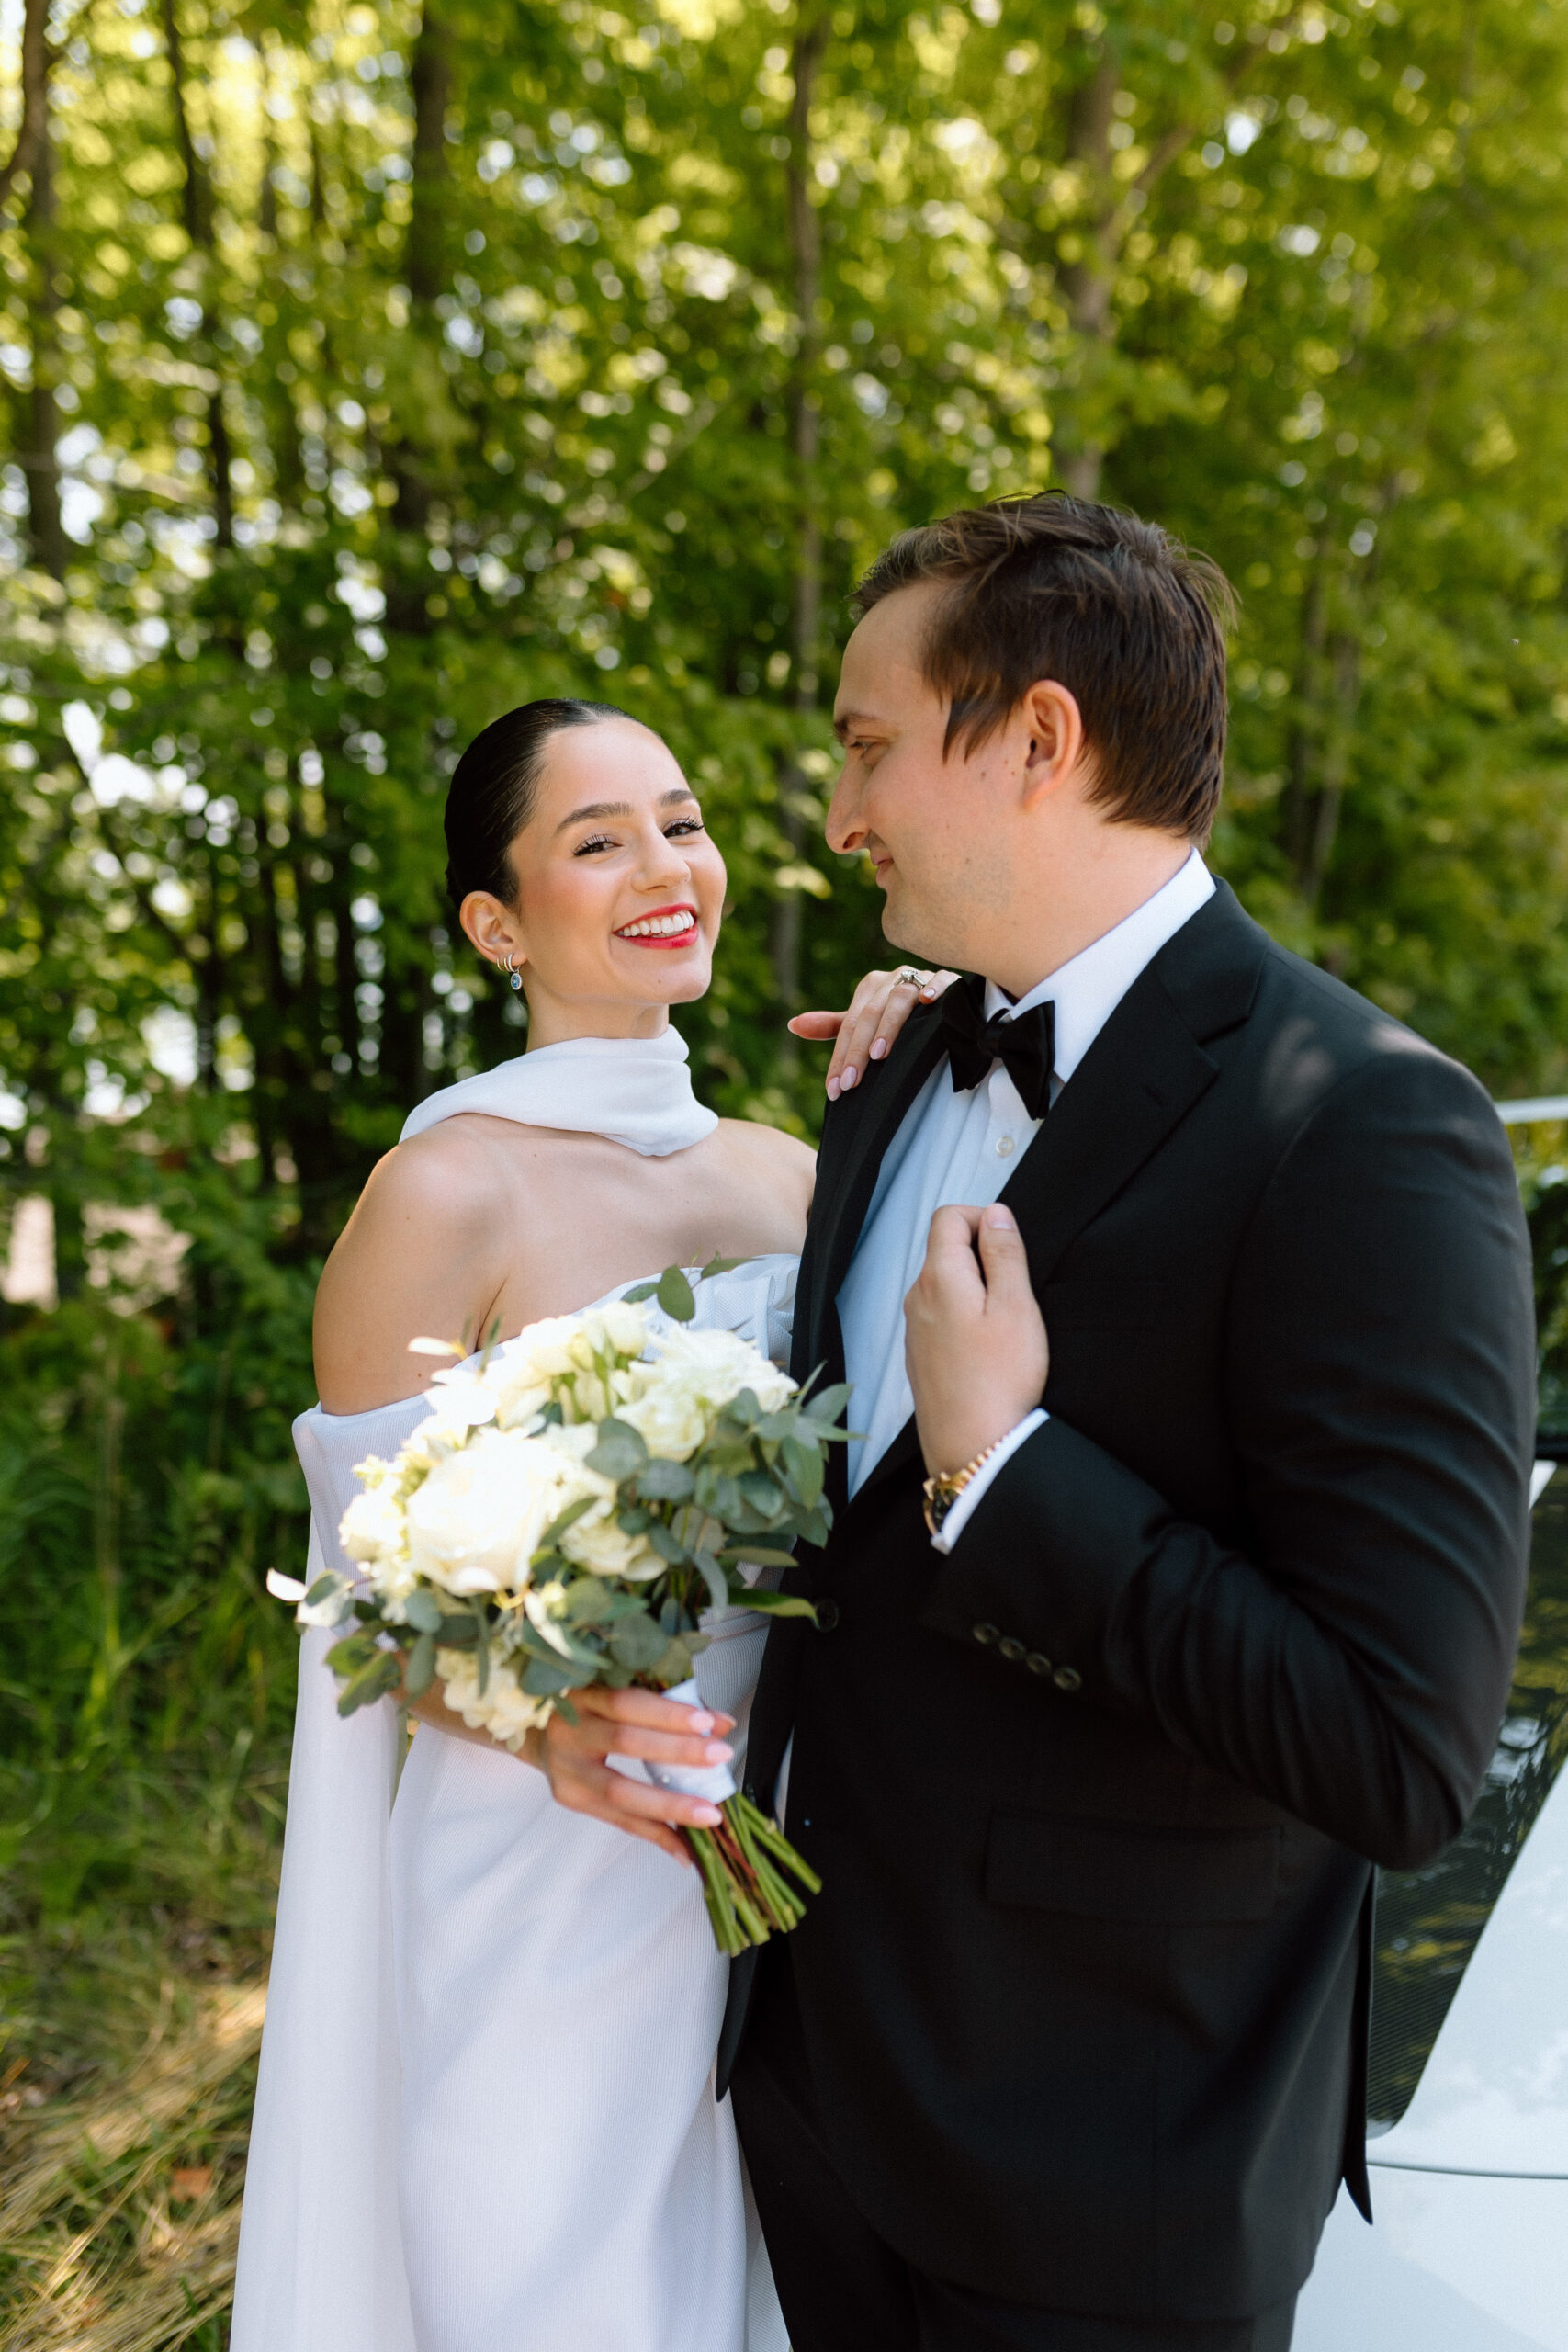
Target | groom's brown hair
(1122,616)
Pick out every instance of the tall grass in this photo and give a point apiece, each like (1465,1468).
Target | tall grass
(147,1482)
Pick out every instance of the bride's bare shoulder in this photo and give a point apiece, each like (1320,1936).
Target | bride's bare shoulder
(421,1254)
(770,1156)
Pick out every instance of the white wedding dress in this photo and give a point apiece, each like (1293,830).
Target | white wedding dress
(485,2119)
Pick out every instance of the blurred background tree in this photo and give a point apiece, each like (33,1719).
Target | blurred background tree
(371,367)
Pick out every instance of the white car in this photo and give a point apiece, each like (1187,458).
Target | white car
(1468,2104)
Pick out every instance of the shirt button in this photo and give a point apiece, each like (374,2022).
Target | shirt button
(1004,1145)
(1010,1649)
(1067,1678)
(985,1634)
(1037,1664)
(826,1614)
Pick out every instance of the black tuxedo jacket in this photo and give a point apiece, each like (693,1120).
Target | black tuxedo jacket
(1095,1799)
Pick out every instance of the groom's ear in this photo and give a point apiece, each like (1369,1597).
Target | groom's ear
(1054,740)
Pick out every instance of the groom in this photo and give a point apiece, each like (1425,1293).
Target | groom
(1177,1577)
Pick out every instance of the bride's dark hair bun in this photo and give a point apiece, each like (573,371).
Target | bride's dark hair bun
(490,796)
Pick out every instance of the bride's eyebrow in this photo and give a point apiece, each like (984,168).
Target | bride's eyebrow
(619,807)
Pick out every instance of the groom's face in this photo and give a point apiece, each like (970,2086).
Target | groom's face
(929,823)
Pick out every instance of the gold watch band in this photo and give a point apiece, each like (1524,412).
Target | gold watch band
(943,1488)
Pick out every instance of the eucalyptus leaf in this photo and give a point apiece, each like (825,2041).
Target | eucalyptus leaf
(421,1671)
(619,1453)
(755,1556)
(829,1403)
(715,1578)
(780,1604)
(639,1292)
(558,1526)
(805,1468)
(423,1611)
(674,1294)
(663,1482)
(667,1544)
(638,1642)
(762,1493)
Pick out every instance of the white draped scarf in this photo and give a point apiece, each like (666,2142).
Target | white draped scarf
(635,1091)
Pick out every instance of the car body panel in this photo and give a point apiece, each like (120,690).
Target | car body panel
(1468,2251)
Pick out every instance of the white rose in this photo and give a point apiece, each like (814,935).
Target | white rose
(625,1328)
(475,1522)
(598,1541)
(546,1348)
(717,1365)
(670,1419)
(372,1526)
(460,1400)
(505,1710)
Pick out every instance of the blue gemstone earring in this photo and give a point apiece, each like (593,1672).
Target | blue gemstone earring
(516,975)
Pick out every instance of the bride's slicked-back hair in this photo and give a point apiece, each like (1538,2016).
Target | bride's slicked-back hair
(490,796)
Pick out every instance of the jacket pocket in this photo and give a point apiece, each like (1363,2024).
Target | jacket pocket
(1088,1305)
(1092,1870)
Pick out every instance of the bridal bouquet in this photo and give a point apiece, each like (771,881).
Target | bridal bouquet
(564,1516)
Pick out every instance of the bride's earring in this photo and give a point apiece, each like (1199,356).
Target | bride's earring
(516,976)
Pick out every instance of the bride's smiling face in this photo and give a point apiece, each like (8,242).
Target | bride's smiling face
(619,889)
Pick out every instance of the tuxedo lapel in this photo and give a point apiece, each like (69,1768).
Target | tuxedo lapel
(1134,1087)
(1138,1080)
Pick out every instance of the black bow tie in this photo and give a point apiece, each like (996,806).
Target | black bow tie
(1024,1043)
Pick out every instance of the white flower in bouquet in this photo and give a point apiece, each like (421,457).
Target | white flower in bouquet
(717,1365)
(475,1523)
(504,1708)
(669,1417)
(372,1528)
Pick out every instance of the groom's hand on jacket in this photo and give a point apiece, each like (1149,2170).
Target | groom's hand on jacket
(973,1336)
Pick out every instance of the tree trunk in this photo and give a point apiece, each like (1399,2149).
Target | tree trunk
(197,194)
(46,533)
(1089,281)
(424,261)
(1304,744)
(34,127)
(805,434)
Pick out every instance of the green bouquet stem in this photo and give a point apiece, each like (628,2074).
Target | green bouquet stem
(746,1865)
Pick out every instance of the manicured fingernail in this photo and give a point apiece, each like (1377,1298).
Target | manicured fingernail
(701,1720)
(998,1216)
(706,1817)
(849,1077)
(928,991)
(878,1050)
(716,1752)
(832,1090)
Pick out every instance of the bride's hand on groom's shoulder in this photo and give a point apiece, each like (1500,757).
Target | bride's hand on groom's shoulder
(631,1722)
(866,1034)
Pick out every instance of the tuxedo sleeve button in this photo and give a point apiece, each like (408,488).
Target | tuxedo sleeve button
(984,1634)
(827,1616)
(1037,1663)
(1067,1678)
(1010,1649)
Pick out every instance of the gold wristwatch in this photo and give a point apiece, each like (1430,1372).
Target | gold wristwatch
(943,1491)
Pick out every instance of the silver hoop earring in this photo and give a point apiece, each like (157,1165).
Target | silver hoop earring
(517,976)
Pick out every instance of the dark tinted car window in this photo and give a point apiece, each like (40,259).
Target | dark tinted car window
(1429,1920)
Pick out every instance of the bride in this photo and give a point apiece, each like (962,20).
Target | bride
(485,2118)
